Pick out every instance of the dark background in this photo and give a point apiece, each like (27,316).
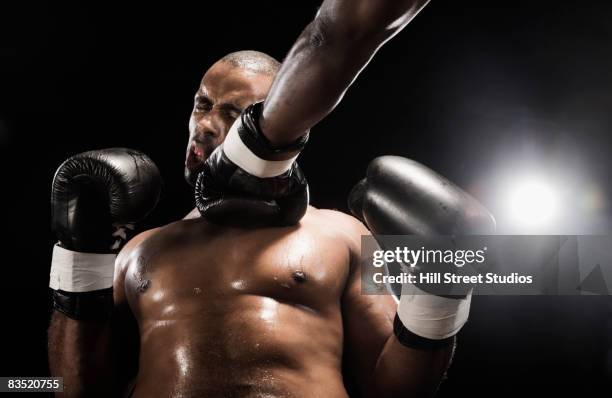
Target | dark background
(466,87)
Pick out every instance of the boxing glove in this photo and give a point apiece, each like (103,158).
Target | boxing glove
(402,197)
(97,197)
(247,182)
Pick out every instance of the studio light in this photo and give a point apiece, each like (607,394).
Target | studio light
(532,203)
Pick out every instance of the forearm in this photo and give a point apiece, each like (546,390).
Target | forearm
(86,279)
(79,352)
(326,59)
(402,371)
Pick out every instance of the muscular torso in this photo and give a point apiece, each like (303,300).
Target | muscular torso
(228,312)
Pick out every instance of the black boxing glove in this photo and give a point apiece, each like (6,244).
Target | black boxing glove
(248,182)
(96,199)
(402,197)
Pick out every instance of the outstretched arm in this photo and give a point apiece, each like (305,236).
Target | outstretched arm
(326,59)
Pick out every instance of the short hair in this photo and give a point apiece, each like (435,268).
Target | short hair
(253,61)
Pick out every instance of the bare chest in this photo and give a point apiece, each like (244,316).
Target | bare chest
(199,269)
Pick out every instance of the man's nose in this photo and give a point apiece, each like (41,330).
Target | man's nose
(208,125)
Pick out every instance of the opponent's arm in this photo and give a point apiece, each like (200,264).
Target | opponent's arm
(252,178)
(97,197)
(325,60)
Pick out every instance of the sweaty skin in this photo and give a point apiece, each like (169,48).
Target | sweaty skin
(210,311)
(226,312)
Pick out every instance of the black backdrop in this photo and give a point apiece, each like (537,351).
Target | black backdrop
(449,91)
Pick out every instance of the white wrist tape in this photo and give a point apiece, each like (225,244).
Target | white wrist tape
(81,272)
(243,157)
(431,316)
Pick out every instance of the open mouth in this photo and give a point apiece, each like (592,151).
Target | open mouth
(195,155)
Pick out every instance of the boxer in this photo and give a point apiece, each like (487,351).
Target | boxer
(206,308)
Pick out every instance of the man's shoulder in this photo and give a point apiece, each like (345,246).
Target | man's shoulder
(128,248)
(337,217)
(338,222)
(170,228)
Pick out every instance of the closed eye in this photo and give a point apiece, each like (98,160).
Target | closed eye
(230,110)
(203,103)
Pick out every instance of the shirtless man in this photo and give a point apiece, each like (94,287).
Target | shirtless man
(203,309)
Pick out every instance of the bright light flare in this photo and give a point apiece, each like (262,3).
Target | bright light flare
(532,204)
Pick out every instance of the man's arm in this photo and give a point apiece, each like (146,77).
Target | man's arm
(326,59)
(97,198)
(79,351)
(267,138)
(402,197)
(98,357)
(384,367)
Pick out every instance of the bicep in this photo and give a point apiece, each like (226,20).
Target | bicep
(368,322)
(368,318)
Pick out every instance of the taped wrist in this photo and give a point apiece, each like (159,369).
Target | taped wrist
(248,148)
(412,340)
(80,272)
(96,305)
(82,283)
(430,316)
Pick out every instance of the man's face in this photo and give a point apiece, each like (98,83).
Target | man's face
(224,93)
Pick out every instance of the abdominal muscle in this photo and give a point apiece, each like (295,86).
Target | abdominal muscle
(241,346)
